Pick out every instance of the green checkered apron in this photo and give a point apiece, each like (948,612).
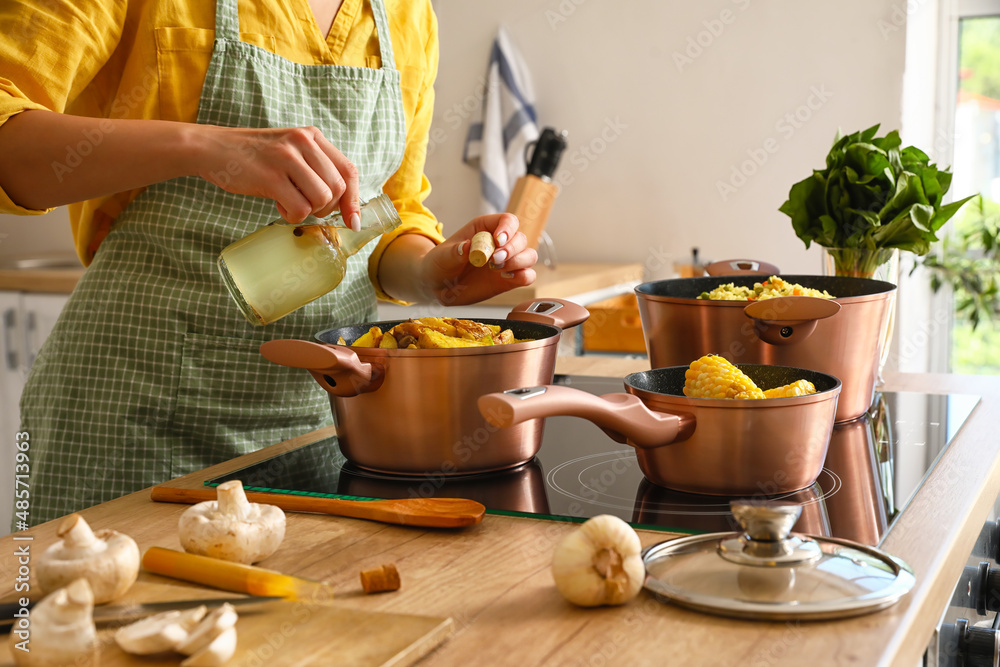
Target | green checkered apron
(151,372)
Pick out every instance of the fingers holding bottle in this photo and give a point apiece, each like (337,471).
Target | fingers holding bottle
(296,167)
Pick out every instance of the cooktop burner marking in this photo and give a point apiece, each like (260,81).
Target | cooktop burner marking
(598,495)
(594,483)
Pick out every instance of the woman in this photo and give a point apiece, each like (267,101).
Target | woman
(151,372)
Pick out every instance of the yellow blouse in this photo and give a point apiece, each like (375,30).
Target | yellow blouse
(149,58)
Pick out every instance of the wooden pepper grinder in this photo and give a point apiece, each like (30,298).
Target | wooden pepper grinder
(534,193)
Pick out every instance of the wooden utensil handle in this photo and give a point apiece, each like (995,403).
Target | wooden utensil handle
(426,512)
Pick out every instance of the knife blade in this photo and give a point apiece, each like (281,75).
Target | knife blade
(128,612)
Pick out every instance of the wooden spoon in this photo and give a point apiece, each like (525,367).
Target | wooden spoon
(426,512)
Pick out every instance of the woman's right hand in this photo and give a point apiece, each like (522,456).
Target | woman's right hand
(296,167)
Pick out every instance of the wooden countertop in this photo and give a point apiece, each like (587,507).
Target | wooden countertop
(53,281)
(493,579)
(567,279)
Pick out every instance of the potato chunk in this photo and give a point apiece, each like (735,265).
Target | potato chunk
(430,339)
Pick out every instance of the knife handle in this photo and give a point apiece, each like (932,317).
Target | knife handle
(230,576)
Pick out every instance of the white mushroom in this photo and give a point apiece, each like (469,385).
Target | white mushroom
(61,630)
(232,528)
(216,653)
(213,642)
(107,559)
(159,633)
(209,640)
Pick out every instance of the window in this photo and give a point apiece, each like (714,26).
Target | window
(975,335)
(951,110)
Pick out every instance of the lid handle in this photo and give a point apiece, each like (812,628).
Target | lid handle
(767,538)
(770,522)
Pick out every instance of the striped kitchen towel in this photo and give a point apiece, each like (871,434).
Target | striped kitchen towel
(497,140)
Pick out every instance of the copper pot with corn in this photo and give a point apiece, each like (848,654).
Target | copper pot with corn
(710,427)
(403,393)
(775,320)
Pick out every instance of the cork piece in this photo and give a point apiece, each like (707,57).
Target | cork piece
(381,579)
(481,249)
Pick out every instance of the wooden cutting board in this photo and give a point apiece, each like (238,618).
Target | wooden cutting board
(283,634)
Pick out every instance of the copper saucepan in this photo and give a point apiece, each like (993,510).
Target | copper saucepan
(413,412)
(723,447)
(847,344)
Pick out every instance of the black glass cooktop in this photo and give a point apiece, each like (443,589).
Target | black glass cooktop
(873,467)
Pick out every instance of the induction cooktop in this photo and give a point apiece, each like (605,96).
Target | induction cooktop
(873,467)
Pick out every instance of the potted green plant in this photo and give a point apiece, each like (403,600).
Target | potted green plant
(872,200)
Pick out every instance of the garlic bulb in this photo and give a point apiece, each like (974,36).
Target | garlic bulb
(600,563)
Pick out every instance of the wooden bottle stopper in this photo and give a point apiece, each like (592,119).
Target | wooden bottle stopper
(380,579)
(482,248)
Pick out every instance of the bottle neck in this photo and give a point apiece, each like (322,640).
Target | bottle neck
(378,216)
(376,213)
(351,242)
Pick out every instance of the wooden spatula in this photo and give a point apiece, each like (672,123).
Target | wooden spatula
(426,512)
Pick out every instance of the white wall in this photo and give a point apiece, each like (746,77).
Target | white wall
(651,138)
(46,235)
(652,135)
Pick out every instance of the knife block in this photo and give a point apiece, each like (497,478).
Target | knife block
(531,201)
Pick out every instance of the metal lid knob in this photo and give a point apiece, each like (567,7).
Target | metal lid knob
(767,540)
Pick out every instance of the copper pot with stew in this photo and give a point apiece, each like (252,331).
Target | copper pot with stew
(715,446)
(845,342)
(413,411)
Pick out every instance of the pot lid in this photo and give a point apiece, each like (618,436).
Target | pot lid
(767,572)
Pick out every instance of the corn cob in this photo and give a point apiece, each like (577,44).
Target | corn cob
(797,388)
(714,377)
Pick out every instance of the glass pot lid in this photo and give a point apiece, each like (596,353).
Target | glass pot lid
(767,572)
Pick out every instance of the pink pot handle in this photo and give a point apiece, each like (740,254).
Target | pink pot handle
(337,368)
(786,320)
(622,416)
(554,312)
(741,267)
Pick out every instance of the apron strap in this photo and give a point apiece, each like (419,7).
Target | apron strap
(384,39)
(227,20)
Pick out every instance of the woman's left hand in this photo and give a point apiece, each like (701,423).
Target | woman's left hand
(453,281)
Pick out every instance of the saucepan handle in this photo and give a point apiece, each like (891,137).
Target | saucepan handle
(337,368)
(554,312)
(786,320)
(622,416)
(741,267)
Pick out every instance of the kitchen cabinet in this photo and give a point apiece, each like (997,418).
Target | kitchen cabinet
(26,319)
